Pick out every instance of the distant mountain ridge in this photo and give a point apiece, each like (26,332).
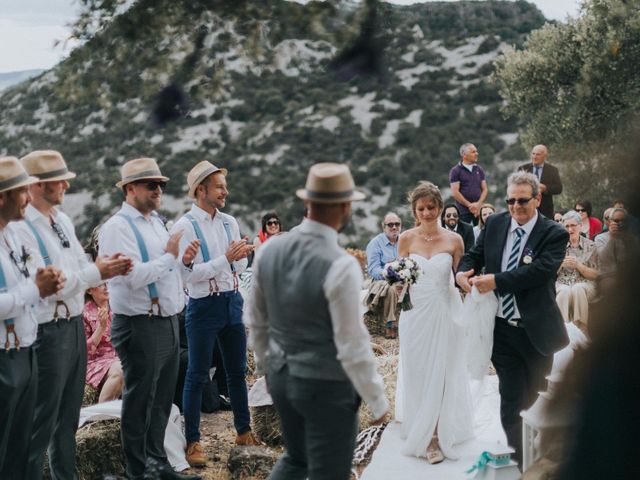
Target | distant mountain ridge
(263,104)
(8,79)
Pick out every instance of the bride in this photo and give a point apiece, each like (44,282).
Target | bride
(432,397)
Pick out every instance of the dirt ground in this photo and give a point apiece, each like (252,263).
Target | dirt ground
(218,434)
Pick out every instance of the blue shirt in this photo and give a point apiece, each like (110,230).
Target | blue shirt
(380,251)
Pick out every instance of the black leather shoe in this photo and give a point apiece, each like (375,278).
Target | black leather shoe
(157,471)
(225,404)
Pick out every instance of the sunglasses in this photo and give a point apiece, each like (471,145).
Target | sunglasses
(392,224)
(519,201)
(451,215)
(64,240)
(580,210)
(273,222)
(152,185)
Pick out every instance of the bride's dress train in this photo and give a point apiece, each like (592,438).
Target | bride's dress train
(433,388)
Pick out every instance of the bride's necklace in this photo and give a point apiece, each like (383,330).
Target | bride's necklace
(428,237)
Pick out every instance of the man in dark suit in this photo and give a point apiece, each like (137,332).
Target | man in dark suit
(521,252)
(450,219)
(547,175)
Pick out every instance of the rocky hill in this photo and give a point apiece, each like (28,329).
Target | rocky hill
(261,99)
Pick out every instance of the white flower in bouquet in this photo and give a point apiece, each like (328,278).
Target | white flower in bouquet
(408,263)
(405,274)
(395,265)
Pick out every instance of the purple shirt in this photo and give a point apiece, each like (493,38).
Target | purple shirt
(470,183)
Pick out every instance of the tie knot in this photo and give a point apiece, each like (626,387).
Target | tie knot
(519,232)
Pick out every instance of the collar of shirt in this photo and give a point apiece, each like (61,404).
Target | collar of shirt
(527,227)
(468,167)
(202,215)
(131,211)
(34,215)
(320,229)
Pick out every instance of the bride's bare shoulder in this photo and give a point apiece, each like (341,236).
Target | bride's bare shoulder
(410,233)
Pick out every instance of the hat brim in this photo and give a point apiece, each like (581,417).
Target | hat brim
(160,178)
(355,196)
(24,183)
(65,176)
(192,189)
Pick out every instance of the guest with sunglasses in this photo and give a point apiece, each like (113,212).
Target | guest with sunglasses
(60,346)
(450,219)
(591,226)
(270,225)
(19,293)
(144,328)
(382,249)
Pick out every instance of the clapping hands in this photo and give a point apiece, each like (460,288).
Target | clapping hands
(116,264)
(238,250)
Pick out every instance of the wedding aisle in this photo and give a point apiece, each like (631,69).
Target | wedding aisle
(388,463)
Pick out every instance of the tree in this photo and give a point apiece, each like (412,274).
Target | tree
(576,88)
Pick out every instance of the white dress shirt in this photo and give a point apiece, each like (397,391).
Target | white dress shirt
(218,267)
(129,295)
(342,288)
(22,295)
(527,227)
(79,272)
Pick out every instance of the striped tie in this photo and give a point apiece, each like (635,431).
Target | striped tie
(508,300)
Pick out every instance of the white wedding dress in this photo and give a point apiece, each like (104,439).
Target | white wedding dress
(433,387)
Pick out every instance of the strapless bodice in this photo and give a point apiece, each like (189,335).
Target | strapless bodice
(435,270)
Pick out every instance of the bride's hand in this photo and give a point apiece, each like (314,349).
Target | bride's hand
(462,278)
(379,421)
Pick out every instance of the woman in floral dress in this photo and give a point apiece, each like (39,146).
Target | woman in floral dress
(104,371)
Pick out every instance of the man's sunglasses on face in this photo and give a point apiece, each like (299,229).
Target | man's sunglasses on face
(519,201)
(451,215)
(152,185)
(392,224)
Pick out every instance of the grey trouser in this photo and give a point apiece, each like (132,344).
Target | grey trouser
(148,350)
(61,350)
(319,421)
(18,388)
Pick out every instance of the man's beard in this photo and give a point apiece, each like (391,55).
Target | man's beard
(345,223)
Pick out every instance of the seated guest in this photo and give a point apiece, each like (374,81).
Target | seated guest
(104,371)
(575,286)
(450,219)
(557,217)
(486,210)
(271,225)
(605,220)
(590,226)
(383,248)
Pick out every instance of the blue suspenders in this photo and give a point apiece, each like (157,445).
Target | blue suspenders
(144,254)
(204,248)
(9,323)
(44,253)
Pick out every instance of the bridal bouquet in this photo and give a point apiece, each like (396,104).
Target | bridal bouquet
(402,273)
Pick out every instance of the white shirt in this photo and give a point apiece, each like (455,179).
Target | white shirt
(129,295)
(79,272)
(342,288)
(511,236)
(218,267)
(21,297)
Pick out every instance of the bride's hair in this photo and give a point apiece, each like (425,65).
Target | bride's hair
(426,190)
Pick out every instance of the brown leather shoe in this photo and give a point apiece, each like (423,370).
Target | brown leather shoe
(195,455)
(247,439)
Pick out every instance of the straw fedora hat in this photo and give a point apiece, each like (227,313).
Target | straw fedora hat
(47,165)
(13,175)
(198,173)
(140,169)
(330,183)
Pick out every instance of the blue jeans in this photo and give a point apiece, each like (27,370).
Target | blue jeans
(208,318)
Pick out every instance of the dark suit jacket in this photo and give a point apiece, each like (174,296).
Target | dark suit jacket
(532,284)
(551,179)
(465,230)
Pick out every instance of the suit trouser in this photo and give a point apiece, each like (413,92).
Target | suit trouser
(521,372)
(319,420)
(217,317)
(18,388)
(61,351)
(148,350)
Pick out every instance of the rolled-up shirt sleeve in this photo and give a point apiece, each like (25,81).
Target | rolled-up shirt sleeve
(342,289)
(15,301)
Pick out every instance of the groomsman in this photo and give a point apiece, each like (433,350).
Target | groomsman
(521,251)
(144,330)
(19,293)
(213,255)
(306,327)
(61,345)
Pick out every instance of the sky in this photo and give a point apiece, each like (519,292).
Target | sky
(30,28)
